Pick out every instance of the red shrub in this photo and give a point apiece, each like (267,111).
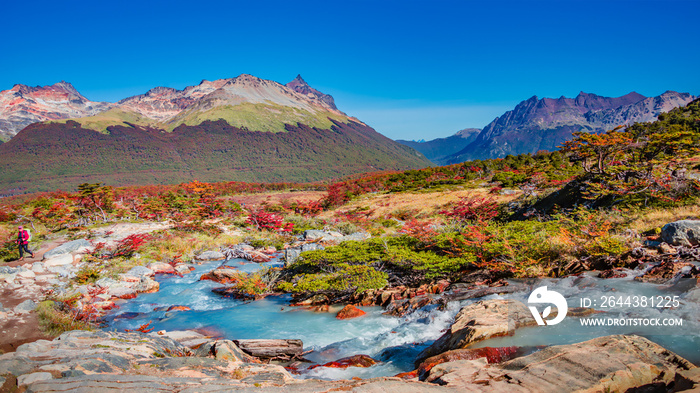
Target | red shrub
(270,221)
(472,209)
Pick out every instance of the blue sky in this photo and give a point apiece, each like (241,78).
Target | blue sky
(410,69)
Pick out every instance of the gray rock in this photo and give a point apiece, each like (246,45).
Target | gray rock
(682,233)
(106,282)
(58,261)
(25,307)
(8,274)
(146,284)
(480,321)
(139,271)
(72,373)
(211,256)
(26,379)
(357,236)
(171,363)
(38,267)
(69,247)
(605,364)
(2,381)
(315,234)
(311,247)
(291,255)
(270,348)
(9,270)
(16,364)
(223,350)
(182,268)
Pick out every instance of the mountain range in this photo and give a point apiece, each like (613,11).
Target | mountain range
(243,129)
(544,124)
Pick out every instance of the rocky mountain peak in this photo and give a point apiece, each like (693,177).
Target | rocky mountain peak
(160,90)
(23,105)
(67,87)
(298,81)
(299,85)
(546,123)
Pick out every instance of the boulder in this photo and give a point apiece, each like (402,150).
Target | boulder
(25,307)
(311,247)
(146,285)
(349,312)
(223,275)
(291,255)
(136,273)
(682,233)
(225,350)
(58,260)
(161,268)
(480,321)
(80,245)
(605,364)
(183,268)
(210,256)
(258,256)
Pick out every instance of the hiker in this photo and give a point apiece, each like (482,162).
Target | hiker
(23,242)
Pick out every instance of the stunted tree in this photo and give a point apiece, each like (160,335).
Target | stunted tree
(646,158)
(96,197)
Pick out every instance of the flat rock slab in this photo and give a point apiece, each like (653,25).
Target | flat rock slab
(66,248)
(605,364)
(480,321)
(271,348)
(58,260)
(26,379)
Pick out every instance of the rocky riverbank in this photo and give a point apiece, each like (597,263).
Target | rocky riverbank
(105,361)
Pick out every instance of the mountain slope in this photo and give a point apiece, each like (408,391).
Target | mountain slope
(242,129)
(544,124)
(438,150)
(62,155)
(23,105)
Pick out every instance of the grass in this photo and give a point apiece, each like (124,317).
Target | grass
(54,322)
(112,117)
(648,220)
(419,204)
(164,246)
(266,117)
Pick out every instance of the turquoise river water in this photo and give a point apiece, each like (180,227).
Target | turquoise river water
(397,341)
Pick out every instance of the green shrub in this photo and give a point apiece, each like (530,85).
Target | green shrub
(509,179)
(347,277)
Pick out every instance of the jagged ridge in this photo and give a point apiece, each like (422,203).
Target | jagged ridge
(544,124)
